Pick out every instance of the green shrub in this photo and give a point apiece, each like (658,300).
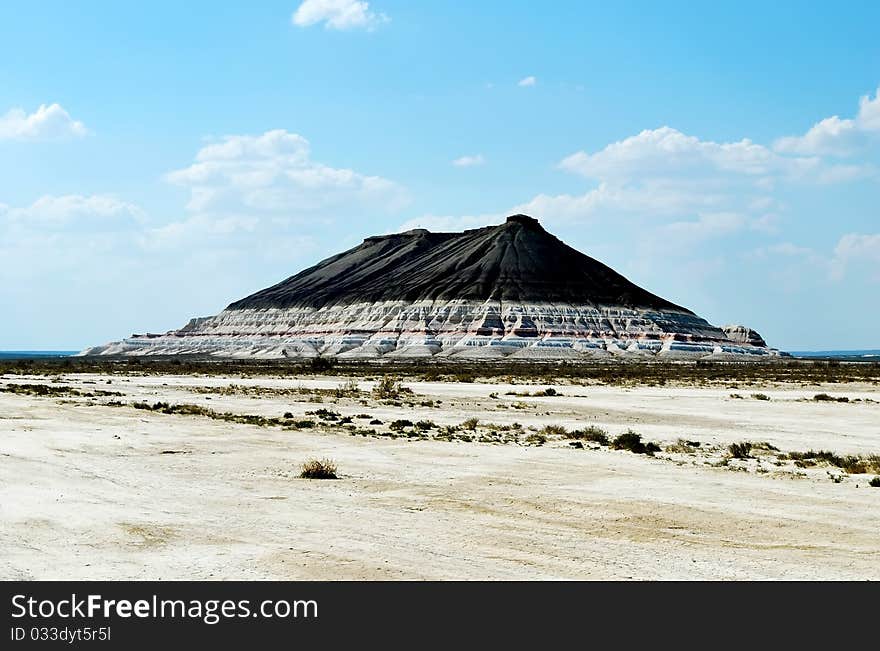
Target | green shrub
(536,439)
(874,483)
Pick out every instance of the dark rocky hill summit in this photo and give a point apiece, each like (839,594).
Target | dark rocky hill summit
(515,261)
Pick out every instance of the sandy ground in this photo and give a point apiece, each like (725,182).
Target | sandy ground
(89,491)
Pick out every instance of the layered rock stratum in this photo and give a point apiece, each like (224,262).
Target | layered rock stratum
(508,291)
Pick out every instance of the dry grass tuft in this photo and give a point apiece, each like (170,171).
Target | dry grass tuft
(318,469)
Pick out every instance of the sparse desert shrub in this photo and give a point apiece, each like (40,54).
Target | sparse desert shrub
(553,430)
(324,414)
(760,396)
(856,465)
(400,424)
(363,416)
(426,425)
(536,439)
(815,456)
(189,410)
(741,450)
(470,423)
(549,391)
(375,421)
(387,388)
(318,469)
(591,433)
(347,388)
(682,446)
(874,483)
(288,414)
(321,364)
(852,464)
(632,441)
(736,396)
(824,397)
(46,390)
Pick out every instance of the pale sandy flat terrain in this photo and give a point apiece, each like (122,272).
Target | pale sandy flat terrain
(89,491)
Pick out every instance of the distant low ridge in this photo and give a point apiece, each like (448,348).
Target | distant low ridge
(511,290)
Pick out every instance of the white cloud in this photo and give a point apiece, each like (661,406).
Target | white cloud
(527,82)
(654,198)
(73,209)
(449,223)
(48,122)
(869,112)
(838,137)
(667,152)
(338,14)
(857,248)
(469,161)
(708,225)
(783,249)
(274,173)
(664,174)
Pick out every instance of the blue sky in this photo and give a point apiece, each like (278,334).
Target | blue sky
(161,161)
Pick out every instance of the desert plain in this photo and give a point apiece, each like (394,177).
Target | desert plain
(157,475)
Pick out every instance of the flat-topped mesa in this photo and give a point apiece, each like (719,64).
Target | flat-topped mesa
(510,290)
(515,261)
